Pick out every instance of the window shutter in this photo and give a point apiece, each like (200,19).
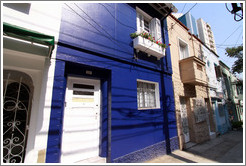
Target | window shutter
(155,29)
(140,23)
(218,71)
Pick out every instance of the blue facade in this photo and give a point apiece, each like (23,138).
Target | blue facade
(96,37)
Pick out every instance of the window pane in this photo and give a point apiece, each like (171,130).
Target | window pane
(83,93)
(146,25)
(83,86)
(146,93)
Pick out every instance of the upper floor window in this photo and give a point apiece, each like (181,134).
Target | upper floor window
(183,48)
(146,23)
(208,63)
(218,72)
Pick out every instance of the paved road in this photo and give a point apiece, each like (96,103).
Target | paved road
(227,148)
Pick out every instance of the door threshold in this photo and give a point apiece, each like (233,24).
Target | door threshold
(189,145)
(93,160)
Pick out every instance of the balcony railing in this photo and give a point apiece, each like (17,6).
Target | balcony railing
(192,71)
(149,47)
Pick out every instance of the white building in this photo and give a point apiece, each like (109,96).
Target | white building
(220,113)
(30,31)
(206,34)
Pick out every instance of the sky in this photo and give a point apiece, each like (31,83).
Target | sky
(227,32)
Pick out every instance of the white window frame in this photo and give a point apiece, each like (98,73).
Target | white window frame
(157,95)
(145,16)
(182,42)
(153,23)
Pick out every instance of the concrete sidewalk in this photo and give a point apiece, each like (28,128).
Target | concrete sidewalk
(227,148)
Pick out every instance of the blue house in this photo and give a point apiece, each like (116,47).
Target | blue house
(112,94)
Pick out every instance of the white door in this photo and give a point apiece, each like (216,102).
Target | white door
(81,122)
(184,119)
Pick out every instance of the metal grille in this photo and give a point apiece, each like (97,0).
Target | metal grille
(16,104)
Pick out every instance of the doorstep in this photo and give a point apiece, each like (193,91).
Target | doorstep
(93,160)
(189,145)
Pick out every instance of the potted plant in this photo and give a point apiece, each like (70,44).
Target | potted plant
(147,43)
(149,37)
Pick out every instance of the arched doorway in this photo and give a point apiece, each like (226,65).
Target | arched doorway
(17,100)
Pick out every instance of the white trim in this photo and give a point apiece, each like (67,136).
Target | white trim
(73,123)
(157,94)
(183,42)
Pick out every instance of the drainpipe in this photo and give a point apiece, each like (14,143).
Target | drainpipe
(164,107)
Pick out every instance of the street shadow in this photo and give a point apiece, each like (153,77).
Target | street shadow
(181,158)
(223,149)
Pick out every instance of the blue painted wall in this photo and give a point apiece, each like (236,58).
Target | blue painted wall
(96,37)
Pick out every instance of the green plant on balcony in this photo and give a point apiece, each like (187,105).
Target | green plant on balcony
(149,37)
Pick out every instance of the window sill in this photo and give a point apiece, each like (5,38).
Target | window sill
(149,47)
(149,108)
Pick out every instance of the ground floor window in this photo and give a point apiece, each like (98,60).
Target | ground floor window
(148,94)
(16,111)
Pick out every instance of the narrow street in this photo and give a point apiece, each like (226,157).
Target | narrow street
(227,148)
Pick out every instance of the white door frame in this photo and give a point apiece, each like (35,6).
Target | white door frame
(82,103)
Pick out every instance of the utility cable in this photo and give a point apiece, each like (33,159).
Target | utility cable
(110,38)
(102,34)
(183,7)
(117,19)
(197,49)
(230,35)
(171,27)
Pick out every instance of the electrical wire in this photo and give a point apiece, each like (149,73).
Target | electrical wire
(225,45)
(230,35)
(169,29)
(183,7)
(117,19)
(191,8)
(109,37)
(174,42)
(99,24)
(239,37)
(101,32)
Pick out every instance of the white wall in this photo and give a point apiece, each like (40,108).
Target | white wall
(43,17)
(213,83)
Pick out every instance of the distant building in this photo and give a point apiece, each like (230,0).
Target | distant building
(177,15)
(219,114)
(206,34)
(190,22)
(232,93)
